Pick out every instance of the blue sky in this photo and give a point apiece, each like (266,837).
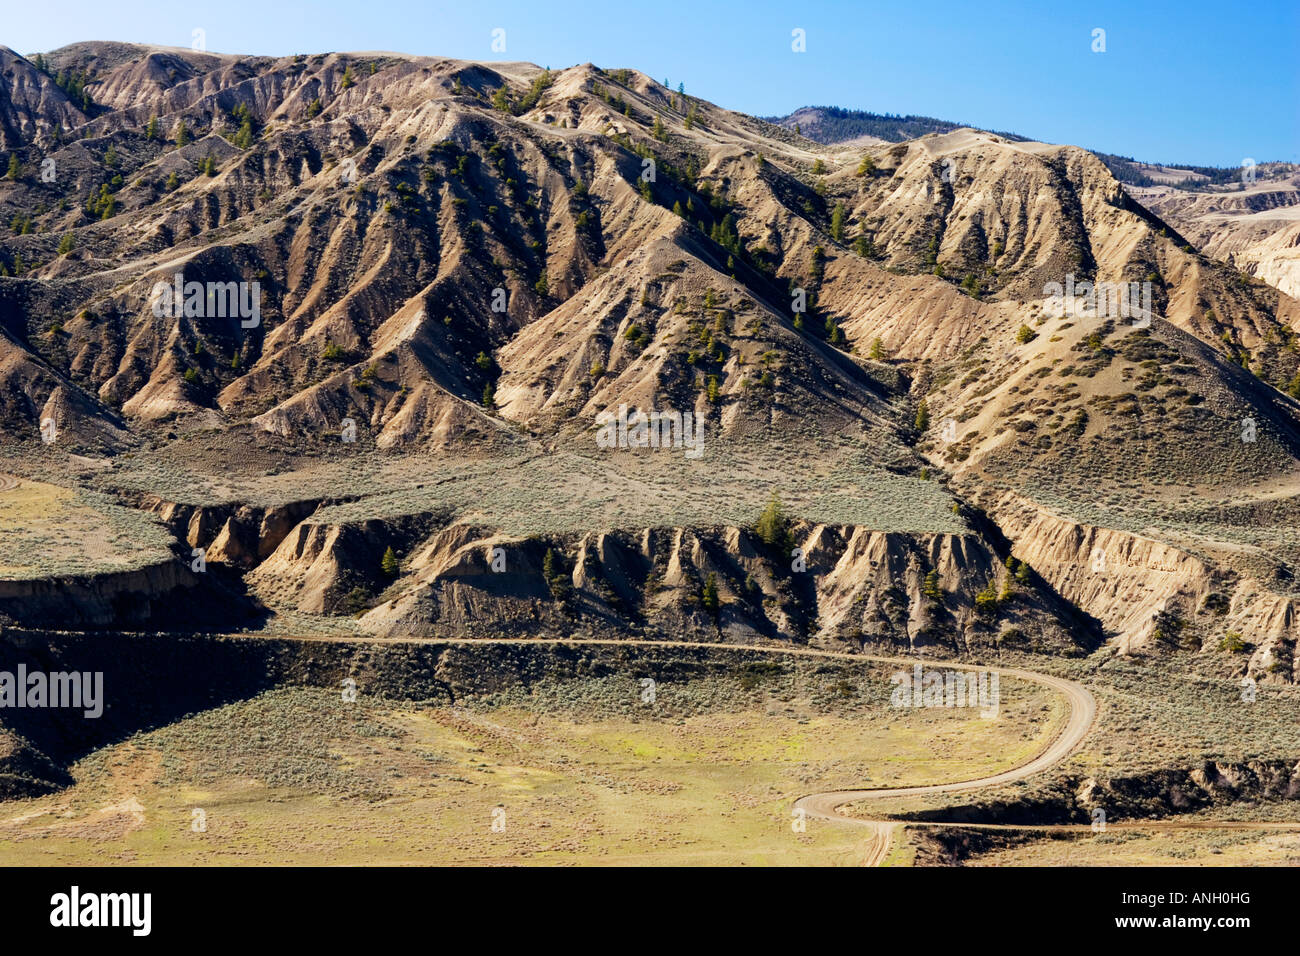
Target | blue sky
(1191,81)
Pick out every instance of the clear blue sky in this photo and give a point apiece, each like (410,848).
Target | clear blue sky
(1189,81)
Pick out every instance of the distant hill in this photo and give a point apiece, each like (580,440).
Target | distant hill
(1132,172)
(831,124)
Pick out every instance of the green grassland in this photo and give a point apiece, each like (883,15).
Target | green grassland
(835,480)
(46,530)
(583,771)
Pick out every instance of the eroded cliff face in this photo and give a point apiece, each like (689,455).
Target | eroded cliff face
(233,534)
(134,598)
(1150,795)
(836,585)
(1148,594)
(841,586)
(1122,579)
(1255,227)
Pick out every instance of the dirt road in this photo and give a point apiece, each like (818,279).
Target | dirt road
(1083,709)
(879,834)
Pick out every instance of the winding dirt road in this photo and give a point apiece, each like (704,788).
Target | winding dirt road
(879,834)
(1083,710)
(824,805)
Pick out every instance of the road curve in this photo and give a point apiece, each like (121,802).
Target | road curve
(1083,709)
(823,806)
(1083,706)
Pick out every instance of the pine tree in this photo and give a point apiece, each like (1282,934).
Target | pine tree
(182,134)
(877,350)
(347,81)
(773,527)
(106,205)
(922,416)
(986,601)
(244,138)
(534,94)
(659,132)
(151,128)
(1022,572)
(837,222)
(389,563)
(66,244)
(710,597)
(556,578)
(14,166)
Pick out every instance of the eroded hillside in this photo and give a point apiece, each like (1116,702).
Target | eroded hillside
(444,276)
